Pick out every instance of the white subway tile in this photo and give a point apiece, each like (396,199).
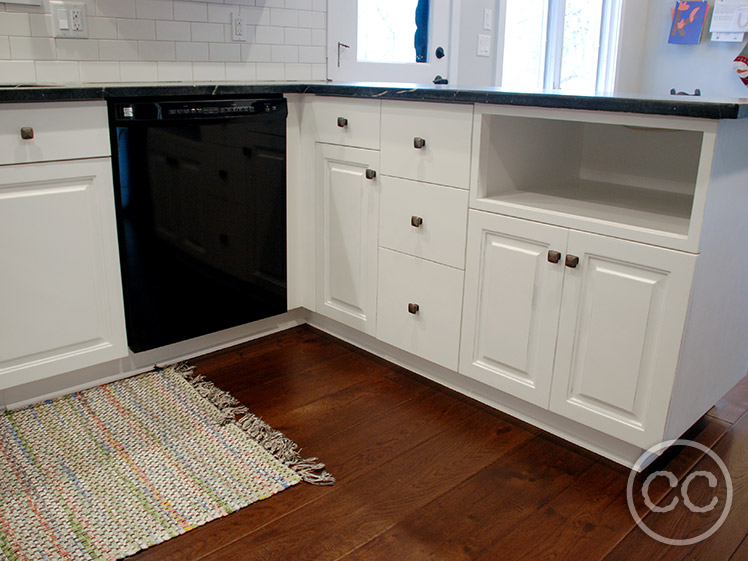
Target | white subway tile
(115,8)
(298,72)
(315,20)
(174,71)
(220,13)
(319,37)
(118,50)
(41,25)
(298,36)
(172,31)
(190,11)
(15,24)
(57,72)
(270,3)
(256,16)
(241,71)
(208,71)
(285,53)
(285,18)
(77,49)
(102,28)
(319,71)
(256,53)
(33,48)
(27,9)
(269,35)
(99,71)
(270,71)
(207,32)
(156,50)
(319,5)
(241,2)
(312,54)
(193,52)
(138,71)
(298,5)
(18,71)
(4,48)
(225,52)
(154,9)
(142,29)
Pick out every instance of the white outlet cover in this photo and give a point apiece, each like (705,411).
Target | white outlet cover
(62,19)
(484,45)
(238,28)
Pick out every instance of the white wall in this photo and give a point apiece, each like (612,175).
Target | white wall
(707,66)
(166,40)
(472,69)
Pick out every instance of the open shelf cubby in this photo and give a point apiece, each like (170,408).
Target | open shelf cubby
(631,176)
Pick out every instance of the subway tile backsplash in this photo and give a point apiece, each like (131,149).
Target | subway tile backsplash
(167,40)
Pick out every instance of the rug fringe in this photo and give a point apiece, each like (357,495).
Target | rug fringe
(311,470)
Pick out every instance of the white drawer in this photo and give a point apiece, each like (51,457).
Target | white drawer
(61,131)
(433,332)
(359,125)
(446,130)
(443,213)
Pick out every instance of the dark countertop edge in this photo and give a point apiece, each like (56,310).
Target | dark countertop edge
(682,107)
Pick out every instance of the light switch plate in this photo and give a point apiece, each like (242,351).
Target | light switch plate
(487,19)
(69,19)
(484,45)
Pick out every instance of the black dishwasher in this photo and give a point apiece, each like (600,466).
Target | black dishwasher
(200,193)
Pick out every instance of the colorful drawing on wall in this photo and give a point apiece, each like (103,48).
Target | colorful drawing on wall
(741,64)
(688,21)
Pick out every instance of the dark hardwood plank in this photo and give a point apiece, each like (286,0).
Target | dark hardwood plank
(734,405)
(363,507)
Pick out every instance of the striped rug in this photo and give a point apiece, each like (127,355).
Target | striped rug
(106,472)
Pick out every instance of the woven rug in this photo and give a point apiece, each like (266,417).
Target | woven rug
(106,472)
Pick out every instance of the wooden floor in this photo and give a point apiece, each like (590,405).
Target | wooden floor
(425,473)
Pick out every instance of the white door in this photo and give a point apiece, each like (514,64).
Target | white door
(347,222)
(373,40)
(512,302)
(622,319)
(60,287)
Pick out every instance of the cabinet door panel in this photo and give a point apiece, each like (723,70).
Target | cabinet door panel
(622,319)
(61,295)
(512,302)
(347,214)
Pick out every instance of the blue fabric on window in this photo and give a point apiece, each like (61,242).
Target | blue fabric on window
(421,39)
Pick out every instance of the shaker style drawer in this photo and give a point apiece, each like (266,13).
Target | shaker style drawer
(350,122)
(427,141)
(424,220)
(41,132)
(419,307)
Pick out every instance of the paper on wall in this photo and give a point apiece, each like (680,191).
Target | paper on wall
(730,16)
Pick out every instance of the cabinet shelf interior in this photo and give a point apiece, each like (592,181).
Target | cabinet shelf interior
(634,176)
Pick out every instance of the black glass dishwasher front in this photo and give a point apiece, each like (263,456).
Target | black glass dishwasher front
(200,191)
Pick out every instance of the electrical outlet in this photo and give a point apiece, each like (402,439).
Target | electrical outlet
(69,19)
(484,45)
(238,29)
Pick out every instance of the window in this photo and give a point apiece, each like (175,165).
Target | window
(388,40)
(568,45)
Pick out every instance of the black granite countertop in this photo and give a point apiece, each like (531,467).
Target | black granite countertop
(684,106)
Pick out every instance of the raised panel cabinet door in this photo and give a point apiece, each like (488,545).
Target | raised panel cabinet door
(622,318)
(347,221)
(60,287)
(512,303)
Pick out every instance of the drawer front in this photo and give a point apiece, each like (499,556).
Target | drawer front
(446,132)
(424,220)
(61,131)
(350,122)
(433,330)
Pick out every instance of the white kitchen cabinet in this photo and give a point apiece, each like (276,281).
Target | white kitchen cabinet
(60,288)
(623,314)
(347,211)
(512,304)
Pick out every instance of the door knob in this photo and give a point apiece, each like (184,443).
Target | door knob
(419,142)
(413,308)
(554,256)
(572,261)
(370,174)
(416,221)
(342,122)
